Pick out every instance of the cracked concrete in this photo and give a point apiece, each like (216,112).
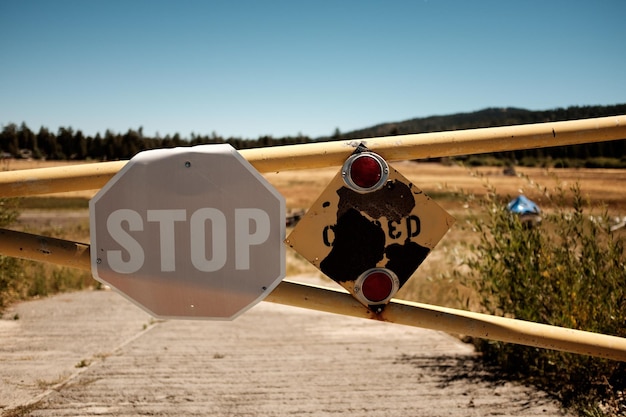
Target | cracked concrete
(93,353)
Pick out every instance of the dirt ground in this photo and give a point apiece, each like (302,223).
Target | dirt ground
(300,188)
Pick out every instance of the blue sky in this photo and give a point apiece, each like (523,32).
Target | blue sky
(251,68)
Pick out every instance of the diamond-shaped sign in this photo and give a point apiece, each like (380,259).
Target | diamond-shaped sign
(347,233)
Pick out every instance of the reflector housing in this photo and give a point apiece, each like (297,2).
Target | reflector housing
(376,286)
(364,172)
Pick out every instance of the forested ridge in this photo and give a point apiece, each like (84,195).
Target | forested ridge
(67,143)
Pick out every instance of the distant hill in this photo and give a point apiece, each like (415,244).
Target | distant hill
(610,154)
(489,117)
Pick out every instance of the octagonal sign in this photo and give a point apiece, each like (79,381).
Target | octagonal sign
(189,233)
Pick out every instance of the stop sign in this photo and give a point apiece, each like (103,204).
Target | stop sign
(191,232)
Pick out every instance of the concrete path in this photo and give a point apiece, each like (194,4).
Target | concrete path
(93,353)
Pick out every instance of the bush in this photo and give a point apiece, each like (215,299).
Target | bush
(568,271)
(20,279)
(568,163)
(602,162)
(485,160)
(10,268)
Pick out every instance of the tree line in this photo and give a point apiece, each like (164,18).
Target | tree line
(69,144)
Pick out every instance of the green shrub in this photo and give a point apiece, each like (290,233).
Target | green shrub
(21,279)
(569,271)
(568,163)
(603,162)
(485,160)
(11,280)
(10,268)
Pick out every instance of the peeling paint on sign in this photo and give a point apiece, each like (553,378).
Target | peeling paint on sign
(346,233)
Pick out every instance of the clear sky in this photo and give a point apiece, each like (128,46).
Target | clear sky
(251,68)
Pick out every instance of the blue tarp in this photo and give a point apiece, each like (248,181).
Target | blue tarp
(522,205)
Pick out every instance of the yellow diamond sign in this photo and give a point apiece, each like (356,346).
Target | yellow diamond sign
(347,233)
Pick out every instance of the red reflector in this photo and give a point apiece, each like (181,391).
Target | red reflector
(377,286)
(366,171)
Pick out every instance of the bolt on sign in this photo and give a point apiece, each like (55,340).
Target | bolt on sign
(370,229)
(191,232)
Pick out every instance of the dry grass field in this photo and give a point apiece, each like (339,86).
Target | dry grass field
(431,283)
(300,188)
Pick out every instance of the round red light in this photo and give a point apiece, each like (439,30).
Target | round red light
(377,286)
(366,172)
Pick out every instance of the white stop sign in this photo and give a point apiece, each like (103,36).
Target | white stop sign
(189,233)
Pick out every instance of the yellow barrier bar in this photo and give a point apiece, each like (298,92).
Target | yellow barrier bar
(57,179)
(454,321)
(76,255)
(441,144)
(325,154)
(45,249)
